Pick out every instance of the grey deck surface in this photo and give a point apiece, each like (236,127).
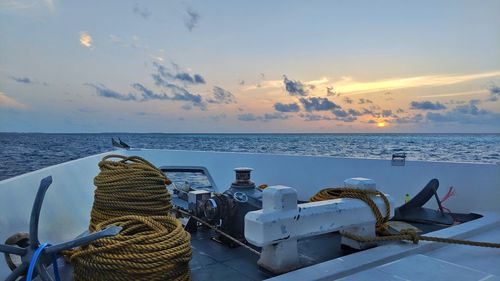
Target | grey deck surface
(452,262)
(214,261)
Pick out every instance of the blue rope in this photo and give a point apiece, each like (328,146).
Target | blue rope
(34,260)
(55,267)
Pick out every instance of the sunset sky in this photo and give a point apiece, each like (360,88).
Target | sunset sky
(249,66)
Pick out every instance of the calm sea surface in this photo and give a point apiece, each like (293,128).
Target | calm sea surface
(21,153)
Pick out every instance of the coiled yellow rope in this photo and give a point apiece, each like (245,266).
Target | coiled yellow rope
(130,186)
(152,245)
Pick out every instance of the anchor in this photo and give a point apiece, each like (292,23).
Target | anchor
(36,256)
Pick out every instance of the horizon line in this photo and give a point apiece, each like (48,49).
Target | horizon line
(263,133)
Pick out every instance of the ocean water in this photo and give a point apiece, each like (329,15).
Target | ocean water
(24,152)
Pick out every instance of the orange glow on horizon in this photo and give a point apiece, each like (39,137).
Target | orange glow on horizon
(381,124)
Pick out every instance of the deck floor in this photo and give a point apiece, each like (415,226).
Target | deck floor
(213,261)
(453,262)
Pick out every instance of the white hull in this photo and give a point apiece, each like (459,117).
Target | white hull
(66,209)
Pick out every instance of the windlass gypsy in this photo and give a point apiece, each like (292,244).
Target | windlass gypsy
(227,210)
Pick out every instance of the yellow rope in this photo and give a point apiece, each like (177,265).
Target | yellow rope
(152,245)
(131,186)
(411,235)
(334,193)
(381,225)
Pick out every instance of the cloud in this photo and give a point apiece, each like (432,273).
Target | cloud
(162,77)
(27,80)
(191,21)
(466,114)
(195,99)
(370,112)
(347,119)
(348,86)
(410,119)
(177,94)
(330,91)
(387,113)
(427,105)
(465,93)
(355,112)
(248,117)
(295,88)
(85,39)
(317,104)
(282,107)
(494,90)
(314,117)
(346,116)
(141,11)
(348,100)
(340,113)
(177,75)
(494,93)
(222,96)
(186,77)
(24,80)
(363,101)
(8,102)
(264,118)
(275,116)
(411,82)
(148,94)
(102,91)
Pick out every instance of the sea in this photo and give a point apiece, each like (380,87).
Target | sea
(25,152)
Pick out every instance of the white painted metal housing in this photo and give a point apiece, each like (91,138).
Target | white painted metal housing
(281,222)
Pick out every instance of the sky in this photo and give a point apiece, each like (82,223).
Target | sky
(250,66)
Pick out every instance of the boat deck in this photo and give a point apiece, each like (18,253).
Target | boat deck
(452,262)
(69,200)
(423,261)
(212,260)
